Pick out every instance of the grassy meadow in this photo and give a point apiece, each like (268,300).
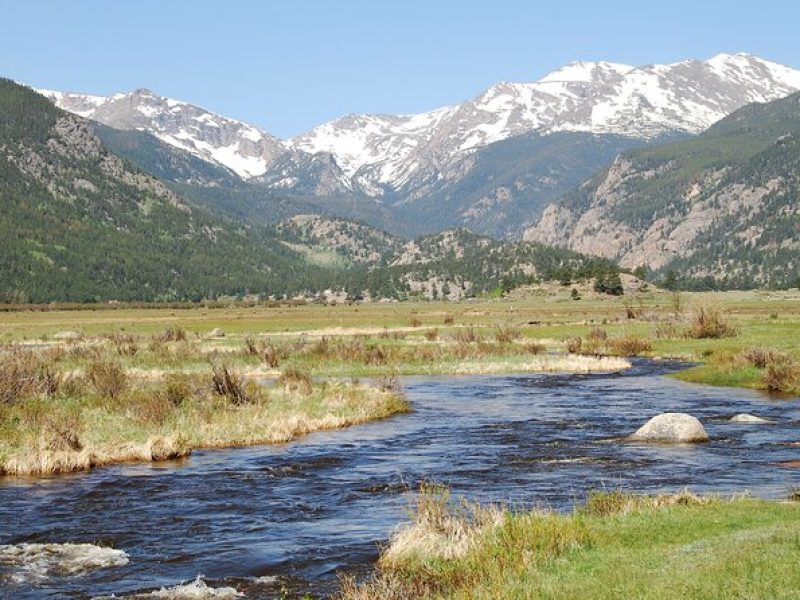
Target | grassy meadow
(614,546)
(110,384)
(524,332)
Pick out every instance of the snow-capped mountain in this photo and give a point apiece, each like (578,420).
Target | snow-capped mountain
(401,158)
(243,148)
(387,151)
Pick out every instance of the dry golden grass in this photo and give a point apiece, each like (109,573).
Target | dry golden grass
(99,418)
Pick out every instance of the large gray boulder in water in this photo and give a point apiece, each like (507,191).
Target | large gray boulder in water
(671,428)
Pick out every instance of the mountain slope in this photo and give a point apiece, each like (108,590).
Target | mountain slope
(503,188)
(78,223)
(722,206)
(450,264)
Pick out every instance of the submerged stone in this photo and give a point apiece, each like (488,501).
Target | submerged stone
(748,418)
(671,428)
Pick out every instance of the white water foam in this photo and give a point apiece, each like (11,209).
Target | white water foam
(36,562)
(194,590)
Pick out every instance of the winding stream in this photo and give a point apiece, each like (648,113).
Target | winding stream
(287,518)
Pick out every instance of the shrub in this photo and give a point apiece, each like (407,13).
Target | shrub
(270,356)
(506,334)
(389,383)
(107,378)
(26,374)
(598,333)
(296,380)
(761,357)
(178,388)
(448,319)
(415,322)
(376,356)
(230,385)
(632,312)
(629,346)
(709,323)
(251,347)
(432,334)
(574,345)
(467,336)
(667,330)
(781,376)
(534,348)
(171,334)
(124,343)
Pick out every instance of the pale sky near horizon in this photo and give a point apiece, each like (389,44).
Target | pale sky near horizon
(289,66)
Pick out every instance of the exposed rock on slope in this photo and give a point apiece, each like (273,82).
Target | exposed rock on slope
(724,205)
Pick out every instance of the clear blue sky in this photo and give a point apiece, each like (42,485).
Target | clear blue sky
(291,64)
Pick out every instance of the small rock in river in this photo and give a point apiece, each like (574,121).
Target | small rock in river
(748,418)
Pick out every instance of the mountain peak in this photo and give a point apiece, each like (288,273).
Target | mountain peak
(586,71)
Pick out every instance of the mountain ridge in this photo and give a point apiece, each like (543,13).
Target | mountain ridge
(376,153)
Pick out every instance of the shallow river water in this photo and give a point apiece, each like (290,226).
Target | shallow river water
(285,519)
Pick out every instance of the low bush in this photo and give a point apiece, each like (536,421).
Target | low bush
(468,335)
(574,345)
(230,385)
(534,348)
(25,374)
(761,357)
(597,333)
(389,383)
(708,322)
(171,334)
(505,334)
(781,376)
(629,346)
(270,356)
(296,380)
(107,378)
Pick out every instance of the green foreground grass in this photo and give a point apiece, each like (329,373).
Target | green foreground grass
(616,546)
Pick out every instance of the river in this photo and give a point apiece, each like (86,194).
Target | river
(285,519)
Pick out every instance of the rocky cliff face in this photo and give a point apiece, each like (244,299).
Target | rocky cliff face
(723,206)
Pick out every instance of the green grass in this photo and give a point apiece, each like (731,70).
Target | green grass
(617,546)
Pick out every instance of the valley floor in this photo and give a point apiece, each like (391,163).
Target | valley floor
(85,388)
